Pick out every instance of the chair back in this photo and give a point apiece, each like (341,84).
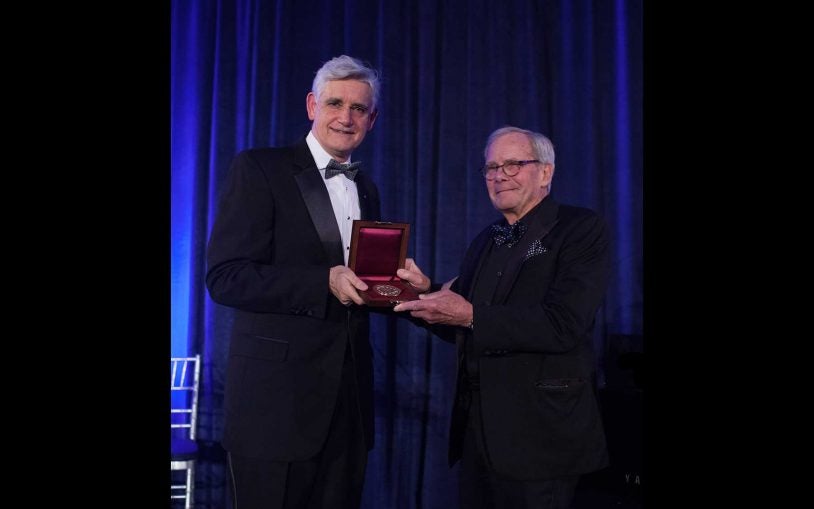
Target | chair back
(184,394)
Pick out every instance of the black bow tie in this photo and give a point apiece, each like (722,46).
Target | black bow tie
(508,234)
(334,168)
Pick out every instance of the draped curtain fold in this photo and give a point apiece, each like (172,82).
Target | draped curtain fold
(452,72)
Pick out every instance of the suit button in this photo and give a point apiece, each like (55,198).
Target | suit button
(309,313)
(499,273)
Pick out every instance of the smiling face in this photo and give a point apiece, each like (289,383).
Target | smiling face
(342,115)
(515,196)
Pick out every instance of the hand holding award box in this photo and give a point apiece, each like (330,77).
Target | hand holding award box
(377,250)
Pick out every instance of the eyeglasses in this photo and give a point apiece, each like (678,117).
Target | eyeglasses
(510,168)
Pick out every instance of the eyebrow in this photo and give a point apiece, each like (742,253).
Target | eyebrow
(513,159)
(339,99)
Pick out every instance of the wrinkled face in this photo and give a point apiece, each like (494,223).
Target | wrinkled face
(514,196)
(342,115)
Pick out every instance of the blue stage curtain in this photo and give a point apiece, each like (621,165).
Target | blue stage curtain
(453,71)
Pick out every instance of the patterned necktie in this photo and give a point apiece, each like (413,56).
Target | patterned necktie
(334,168)
(508,234)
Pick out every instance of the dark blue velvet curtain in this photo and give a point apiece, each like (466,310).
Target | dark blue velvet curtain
(453,71)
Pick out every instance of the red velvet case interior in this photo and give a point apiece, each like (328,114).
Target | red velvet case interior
(377,250)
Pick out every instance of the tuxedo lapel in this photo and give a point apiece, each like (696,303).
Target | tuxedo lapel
(318,202)
(538,229)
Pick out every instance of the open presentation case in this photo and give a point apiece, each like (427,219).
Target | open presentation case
(377,250)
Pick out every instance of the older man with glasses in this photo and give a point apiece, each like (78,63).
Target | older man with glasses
(526,421)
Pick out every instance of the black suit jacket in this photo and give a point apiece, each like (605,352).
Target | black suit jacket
(533,346)
(272,245)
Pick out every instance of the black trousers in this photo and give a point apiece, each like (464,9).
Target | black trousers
(480,488)
(332,479)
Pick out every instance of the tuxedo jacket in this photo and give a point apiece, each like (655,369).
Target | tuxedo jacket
(533,346)
(272,245)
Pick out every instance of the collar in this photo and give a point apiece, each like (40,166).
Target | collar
(321,157)
(529,216)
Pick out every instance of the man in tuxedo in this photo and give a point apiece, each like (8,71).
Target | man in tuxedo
(526,422)
(298,420)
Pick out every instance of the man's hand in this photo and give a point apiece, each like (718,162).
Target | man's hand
(444,307)
(413,276)
(344,285)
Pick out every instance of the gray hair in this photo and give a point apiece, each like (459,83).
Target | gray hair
(346,68)
(542,147)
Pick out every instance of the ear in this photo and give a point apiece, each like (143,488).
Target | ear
(373,116)
(311,105)
(548,174)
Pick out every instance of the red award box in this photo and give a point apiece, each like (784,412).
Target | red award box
(377,250)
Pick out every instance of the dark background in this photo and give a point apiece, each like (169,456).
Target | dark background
(452,72)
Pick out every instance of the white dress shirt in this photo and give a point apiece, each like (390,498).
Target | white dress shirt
(343,193)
